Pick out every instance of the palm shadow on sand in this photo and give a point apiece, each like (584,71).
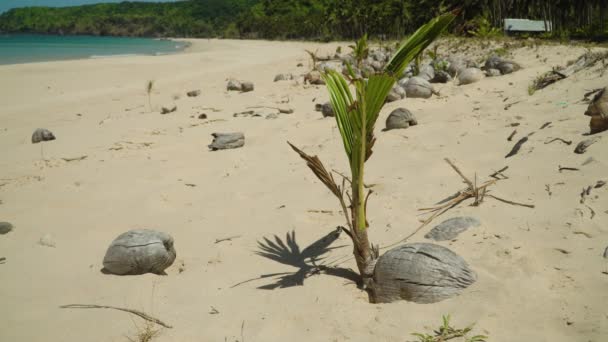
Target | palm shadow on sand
(308,261)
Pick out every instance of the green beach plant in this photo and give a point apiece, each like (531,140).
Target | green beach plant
(446,332)
(360,50)
(356,116)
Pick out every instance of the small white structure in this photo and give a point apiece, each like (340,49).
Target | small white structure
(525,25)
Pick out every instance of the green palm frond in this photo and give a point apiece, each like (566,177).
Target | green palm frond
(417,42)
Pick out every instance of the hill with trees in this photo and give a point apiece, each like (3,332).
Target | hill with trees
(300,19)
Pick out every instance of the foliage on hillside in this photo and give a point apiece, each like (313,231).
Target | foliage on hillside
(300,19)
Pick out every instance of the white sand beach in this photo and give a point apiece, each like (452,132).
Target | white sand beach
(541,274)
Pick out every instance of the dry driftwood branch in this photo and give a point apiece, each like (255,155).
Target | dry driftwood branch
(472,191)
(512,135)
(75,159)
(567,142)
(585,61)
(230,238)
(564,168)
(135,312)
(500,173)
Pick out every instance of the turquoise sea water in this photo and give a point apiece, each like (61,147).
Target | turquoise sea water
(15,49)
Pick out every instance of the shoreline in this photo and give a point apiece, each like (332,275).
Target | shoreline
(184,46)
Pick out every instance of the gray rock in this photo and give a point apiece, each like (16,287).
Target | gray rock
(400,118)
(583,145)
(283,77)
(42,134)
(327,109)
(417,87)
(451,228)
(223,141)
(397,93)
(379,55)
(47,241)
(470,75)
(246,86)
(140,251)
(5,228)
(427,72)
(420,273)
(234,85)
(441,77)
(193,93)
(493,72)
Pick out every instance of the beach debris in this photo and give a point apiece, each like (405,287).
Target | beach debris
(420,273)
(223,141)
(5,228)
(587,60)
(427,72)
(202,116)
(512,135)
(545,125)
(509,105)
(282,110)
(441,76)
(283,77)
(417,87)
(314,77)
(327,110)
(47,241)
(75,158)
(518,146)
(478,193)
(606,253)
(588,161)
(598,111)
(234,85)
(502,65)
(451,228)
(299,65)
(165,110)
(272,116)
(400,118)
(247,87)
(493,72)
(42,134)
(565,168)
(599,184)
(397,93)
(2,260)
(193,93)
(458,64)
(567,142)
(142,315)
(500,173)
(230,238)
(584,145)
(139,251)
(470,75)
(247,113)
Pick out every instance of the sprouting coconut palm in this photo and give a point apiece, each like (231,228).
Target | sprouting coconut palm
(356,116)
(149,88)
(360,50)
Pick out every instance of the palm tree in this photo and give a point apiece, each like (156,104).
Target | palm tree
(356,117)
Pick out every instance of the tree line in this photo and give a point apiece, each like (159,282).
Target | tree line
(300,19)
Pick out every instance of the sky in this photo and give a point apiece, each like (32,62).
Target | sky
(8,4)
